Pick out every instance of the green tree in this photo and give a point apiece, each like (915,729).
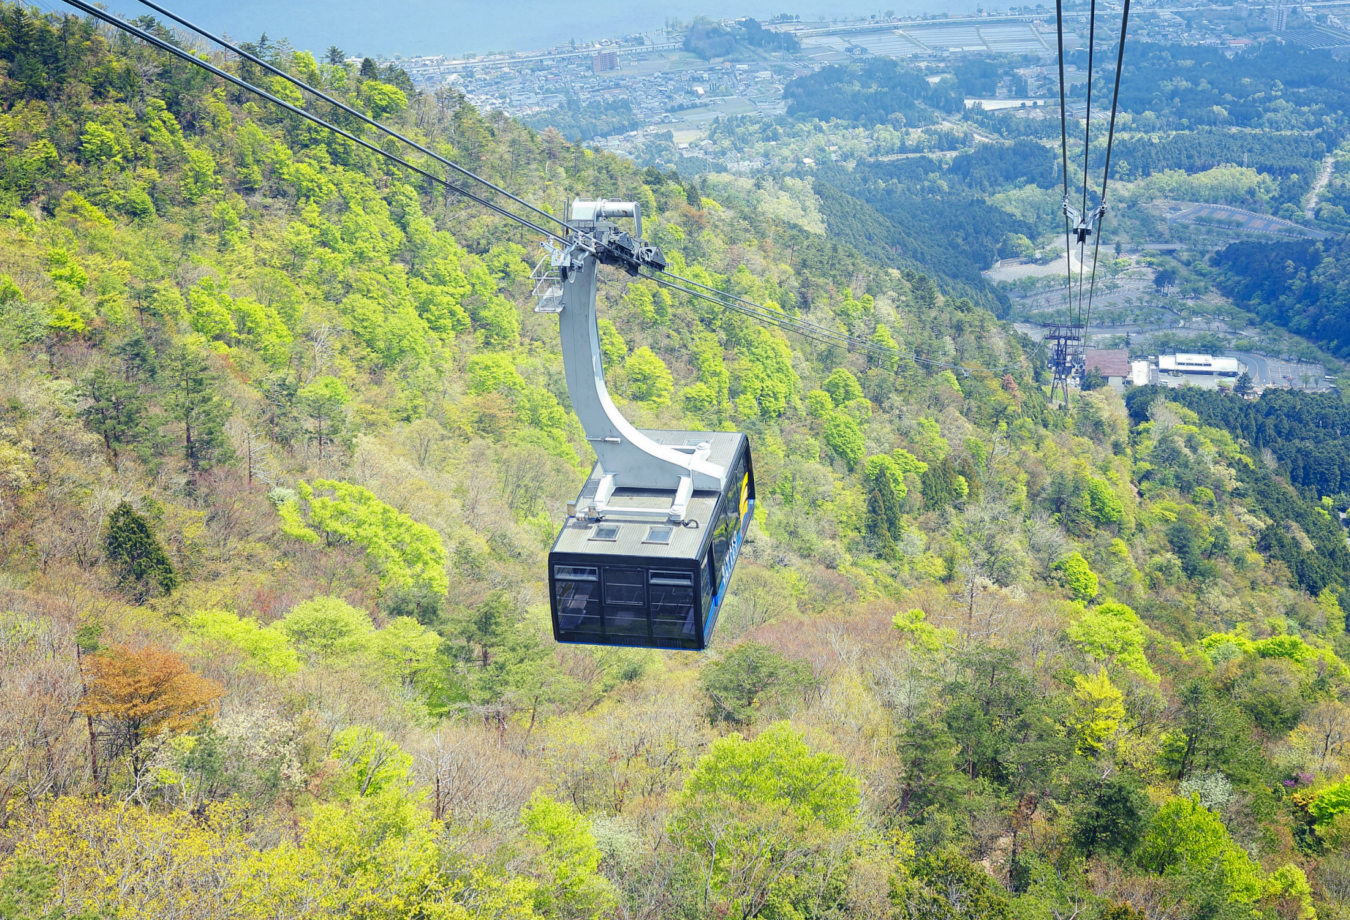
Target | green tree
(404,551)
(1111,818)
(845,437)
(1114,635)
(327,630)
(114,408)
(1077,576)
(1187,840)
(612,346)
(507,668)
(765,373)
(755,814)
(842,386)
(497,322)
(947,886)
(882,338)
(750,679)
(406,650)
(885,485)
(572,886)
(194,401)
(26,892)
(942,485)
(1212,734)
(382,99)
(324,400)
(819,404)
(269,649)
(1006,732)
(138,561)
(370,765)
(648,379)
(1103,505)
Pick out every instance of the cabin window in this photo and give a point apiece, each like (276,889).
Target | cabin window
(625,602)
(577,592)
(624,586)
(720,540)
(673,608)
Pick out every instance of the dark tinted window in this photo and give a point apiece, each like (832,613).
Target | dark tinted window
(720,540)
(626,621)
(673,605)
(624,586)
(733,509)
(578,605)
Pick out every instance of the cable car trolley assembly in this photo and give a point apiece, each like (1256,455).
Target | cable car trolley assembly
(648,548)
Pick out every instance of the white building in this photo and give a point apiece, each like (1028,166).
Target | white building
(1208,365)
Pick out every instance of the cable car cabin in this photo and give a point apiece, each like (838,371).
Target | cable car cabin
(640,581)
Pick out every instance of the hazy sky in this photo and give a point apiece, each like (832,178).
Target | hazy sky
(411,27)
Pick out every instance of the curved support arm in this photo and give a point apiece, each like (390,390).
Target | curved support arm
(627,456)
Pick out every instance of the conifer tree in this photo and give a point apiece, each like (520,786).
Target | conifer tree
(941,485)
(194,402)
(136,557)
(115,408)
(323,401)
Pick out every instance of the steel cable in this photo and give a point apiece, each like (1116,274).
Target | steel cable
(1080,313)
(355,113)
(1106,172)
(805,327)
(1064,158)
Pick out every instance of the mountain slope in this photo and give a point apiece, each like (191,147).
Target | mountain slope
(282,449)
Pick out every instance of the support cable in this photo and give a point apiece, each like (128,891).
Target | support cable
(1064,157)
(1087,151)
(173,49)
(355,113)
(1080,309)
(1106,172)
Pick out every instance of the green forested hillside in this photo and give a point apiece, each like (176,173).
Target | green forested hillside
(282,450)
(1301,286)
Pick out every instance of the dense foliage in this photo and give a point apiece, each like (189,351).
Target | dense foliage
(711,40)
(1307,434)
(878,91)
(581,122)
(905,213)
(1303,286)
(282,450)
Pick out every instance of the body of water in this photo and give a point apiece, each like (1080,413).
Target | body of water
(454,27)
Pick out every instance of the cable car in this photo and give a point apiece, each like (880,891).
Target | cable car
(648,549)
(625,579)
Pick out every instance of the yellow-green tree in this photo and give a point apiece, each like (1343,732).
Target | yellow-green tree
(755,814)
